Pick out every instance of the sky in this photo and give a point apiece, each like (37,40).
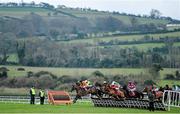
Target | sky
(170,8)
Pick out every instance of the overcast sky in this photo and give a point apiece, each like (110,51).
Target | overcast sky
(169,8)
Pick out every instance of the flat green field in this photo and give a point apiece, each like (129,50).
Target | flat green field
(82,71)
(74,108)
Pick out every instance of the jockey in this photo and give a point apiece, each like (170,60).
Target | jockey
(115,85)
(87,83)
(84,84)
(131,86)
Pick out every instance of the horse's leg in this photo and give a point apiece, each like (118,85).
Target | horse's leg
(75,99)
(138,94)
(142,95)
(100,94)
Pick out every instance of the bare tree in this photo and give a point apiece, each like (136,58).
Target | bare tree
(155,13)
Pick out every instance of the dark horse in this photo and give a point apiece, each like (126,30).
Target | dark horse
(129,94)
(83,92)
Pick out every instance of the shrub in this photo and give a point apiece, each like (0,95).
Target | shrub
(98,73)
(30,74)
(149,82)
(177,75)
(67,79)
(46,81)
(41,73)
(20,69)
(4,74)
(169,77)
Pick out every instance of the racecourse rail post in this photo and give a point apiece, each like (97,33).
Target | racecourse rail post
(171,98)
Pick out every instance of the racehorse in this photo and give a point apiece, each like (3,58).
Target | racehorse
(83,92)
(158,94)
(132,94)
(113,93)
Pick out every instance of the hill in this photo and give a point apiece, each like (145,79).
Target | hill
(77,37)
(22,11)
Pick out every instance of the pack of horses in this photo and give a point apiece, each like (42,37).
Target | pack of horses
(105,90)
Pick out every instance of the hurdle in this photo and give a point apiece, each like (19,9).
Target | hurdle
(59,97)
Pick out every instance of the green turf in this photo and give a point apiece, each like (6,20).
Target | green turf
(74,108)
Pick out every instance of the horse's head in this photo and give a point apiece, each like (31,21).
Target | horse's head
(75,87)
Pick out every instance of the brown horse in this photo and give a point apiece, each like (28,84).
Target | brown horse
(113,93)
(83,92)
(158,94)
(135,94)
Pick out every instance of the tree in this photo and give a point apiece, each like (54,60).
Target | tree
(177,75)
(54,33)
(154,71)
(4,74)
(3,59)
(98,73)
(133,21)
(155,13)
(109,24)
(20,52)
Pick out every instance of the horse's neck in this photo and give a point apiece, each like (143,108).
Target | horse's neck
(77,89)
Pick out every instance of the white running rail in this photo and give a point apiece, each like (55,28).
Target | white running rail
(171,99)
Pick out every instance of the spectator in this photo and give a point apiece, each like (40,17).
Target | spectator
(42,96)
(151,98)
(32,95)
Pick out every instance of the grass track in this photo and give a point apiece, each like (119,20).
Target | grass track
(74,108)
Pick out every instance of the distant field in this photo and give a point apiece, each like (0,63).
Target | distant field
(20,12)
(173,27)
(122,38)
(141,47)
(77,72)
(74,108)
(82,71)
(91,15)
(73,71)
(13,58)
(126,19)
